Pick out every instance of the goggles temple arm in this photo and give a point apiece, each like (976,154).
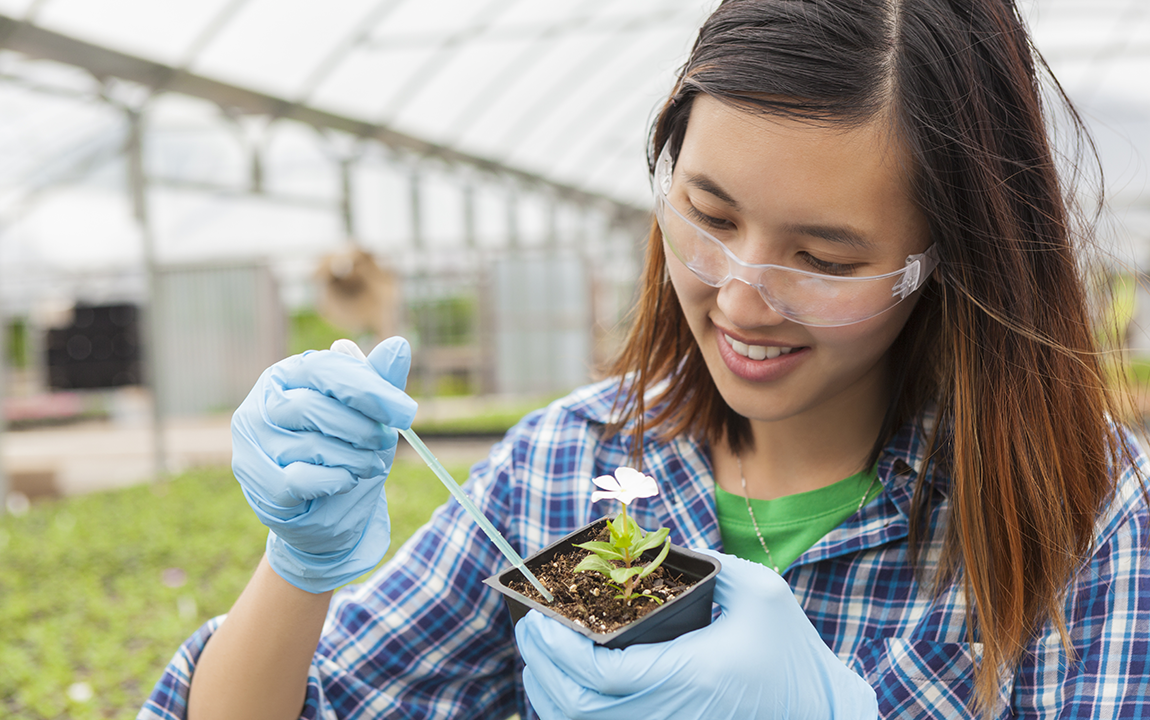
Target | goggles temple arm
(918,269)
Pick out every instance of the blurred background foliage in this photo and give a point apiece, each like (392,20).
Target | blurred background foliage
(98,591)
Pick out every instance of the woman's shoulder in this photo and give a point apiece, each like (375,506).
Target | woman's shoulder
(577,418)
(1128,502)
(577,423)
(590,405)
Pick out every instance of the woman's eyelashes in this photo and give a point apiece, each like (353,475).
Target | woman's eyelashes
(830,268)
(708,220)
(813,263)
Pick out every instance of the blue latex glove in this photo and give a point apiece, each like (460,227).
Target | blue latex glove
(761,658)
(311,446)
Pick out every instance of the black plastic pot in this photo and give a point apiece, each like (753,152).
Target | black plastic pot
(688,611)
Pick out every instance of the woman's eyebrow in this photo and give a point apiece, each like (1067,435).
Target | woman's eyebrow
(839,234)
(708,185)
(832,233)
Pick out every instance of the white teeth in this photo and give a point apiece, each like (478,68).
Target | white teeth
(756,352)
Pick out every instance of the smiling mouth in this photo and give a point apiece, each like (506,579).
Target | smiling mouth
(757,352)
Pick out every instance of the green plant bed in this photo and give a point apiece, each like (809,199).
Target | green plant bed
(100,590)
(495,419)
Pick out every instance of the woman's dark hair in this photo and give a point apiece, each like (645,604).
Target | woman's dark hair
(1001,340)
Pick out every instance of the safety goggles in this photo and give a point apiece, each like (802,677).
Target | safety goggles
(808,298)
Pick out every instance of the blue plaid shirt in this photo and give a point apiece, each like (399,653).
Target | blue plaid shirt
(424,638)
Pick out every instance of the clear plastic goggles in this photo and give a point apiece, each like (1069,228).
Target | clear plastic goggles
(808,298)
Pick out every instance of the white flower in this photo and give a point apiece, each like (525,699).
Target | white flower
(627,485)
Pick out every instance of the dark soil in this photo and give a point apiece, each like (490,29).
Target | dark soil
(588,599)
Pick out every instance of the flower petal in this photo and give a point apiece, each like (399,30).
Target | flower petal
(603,495)
(608,483)
(636,483)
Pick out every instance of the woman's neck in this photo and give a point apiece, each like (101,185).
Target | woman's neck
(805,452)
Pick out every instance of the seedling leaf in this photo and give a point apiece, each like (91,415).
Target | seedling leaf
(651,566)
(604,550)
(651,540)
(594,563)
(621,575)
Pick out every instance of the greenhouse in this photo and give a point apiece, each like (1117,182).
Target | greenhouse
(192,191)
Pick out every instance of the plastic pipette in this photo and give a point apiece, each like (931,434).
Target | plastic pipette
(347,347)
(473,511)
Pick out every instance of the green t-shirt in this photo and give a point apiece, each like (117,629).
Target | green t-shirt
(790,524)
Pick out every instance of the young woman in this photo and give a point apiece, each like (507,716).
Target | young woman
(862,366)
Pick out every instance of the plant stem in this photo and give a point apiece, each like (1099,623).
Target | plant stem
(626,528)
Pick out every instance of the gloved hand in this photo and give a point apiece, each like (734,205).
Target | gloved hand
(761,658)
(311,446)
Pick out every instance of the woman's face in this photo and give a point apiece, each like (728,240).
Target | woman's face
(820,199)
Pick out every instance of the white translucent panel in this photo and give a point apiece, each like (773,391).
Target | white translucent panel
(531,14)
(160,30)
(189,141)
(275,45)
(353,88)
(444,18)
(374,203)
(490,202)
(571,226)
(15,8)
(625,177)
(1099,31)
(170,109)
(434,111)
(533,219)
(1121,131)
(46,140)
(441,203)
(55,77)
(197,227)
(79,228)
(294,162)
(502,97)
(581,22)
(559,91)
(381,204)
(618,98)
(620,134)
(654,11)
(392,90)
(369,83)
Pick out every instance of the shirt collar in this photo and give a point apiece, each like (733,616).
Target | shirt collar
(902,460)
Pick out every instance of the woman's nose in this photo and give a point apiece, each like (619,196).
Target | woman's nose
(742,305)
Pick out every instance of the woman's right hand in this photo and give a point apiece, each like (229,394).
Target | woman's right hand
(311,446)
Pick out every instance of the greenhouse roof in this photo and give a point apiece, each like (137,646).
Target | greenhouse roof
(561,90)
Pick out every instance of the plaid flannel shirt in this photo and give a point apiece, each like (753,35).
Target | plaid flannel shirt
(424,638)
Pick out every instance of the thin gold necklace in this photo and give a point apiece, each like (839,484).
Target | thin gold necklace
(755,523)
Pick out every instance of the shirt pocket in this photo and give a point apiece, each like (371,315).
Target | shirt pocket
(920,678)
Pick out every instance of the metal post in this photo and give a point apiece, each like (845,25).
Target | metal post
(470,238)
(3,395)
(484,368)
(423,319)
(137,186)
(555,305)
(512,219)
(553,222)
(345,201)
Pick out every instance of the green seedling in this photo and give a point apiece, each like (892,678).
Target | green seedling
(618,558)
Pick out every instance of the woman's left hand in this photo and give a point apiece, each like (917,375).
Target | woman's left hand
(761,658)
